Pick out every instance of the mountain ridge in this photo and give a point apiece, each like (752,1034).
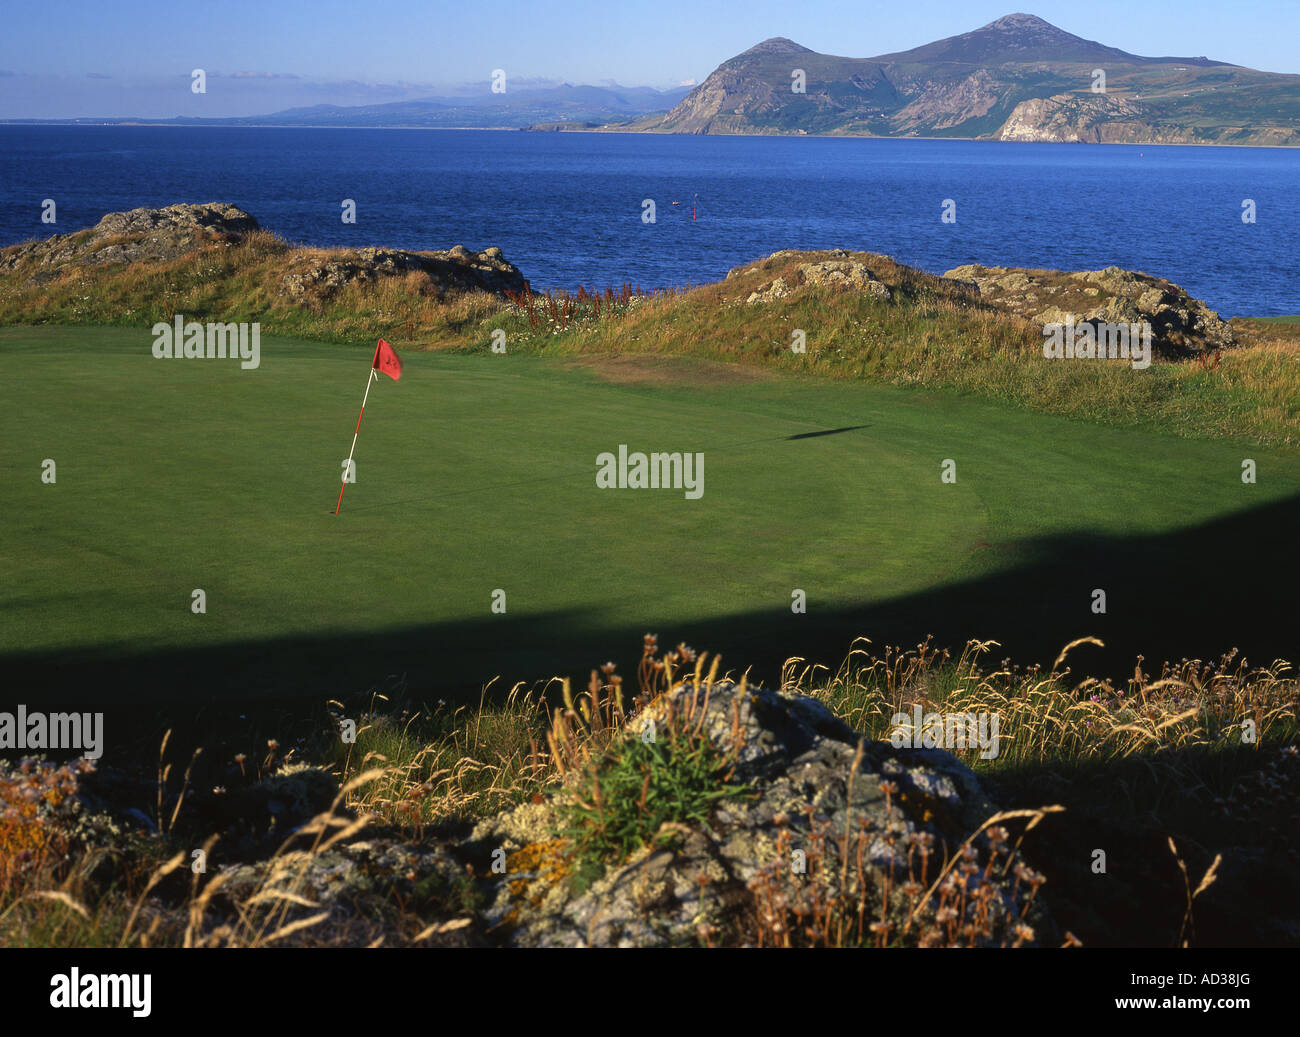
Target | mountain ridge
(1016,78)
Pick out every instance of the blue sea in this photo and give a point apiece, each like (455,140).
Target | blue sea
(567,208)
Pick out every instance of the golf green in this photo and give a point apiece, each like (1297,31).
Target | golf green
(478,474)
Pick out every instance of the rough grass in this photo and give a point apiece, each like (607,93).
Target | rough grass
(241,281)
(1171,744)
(932,333)
(450,765)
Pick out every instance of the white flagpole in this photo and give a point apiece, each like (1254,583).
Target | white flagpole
(369,382)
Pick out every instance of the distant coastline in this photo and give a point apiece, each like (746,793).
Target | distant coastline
(206,124)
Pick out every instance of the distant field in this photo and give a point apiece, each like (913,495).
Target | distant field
(478,472)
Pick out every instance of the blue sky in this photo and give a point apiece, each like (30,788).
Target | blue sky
(63,59)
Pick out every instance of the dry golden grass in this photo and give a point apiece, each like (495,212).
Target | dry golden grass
(243,280)
(484,760)
(489,758)
(1050,716)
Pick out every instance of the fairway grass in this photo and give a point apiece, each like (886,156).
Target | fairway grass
(476,473)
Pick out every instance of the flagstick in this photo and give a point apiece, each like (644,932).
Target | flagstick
(369,382)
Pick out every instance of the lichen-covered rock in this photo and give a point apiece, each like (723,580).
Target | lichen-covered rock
(778,289)
(219,217)
(1180,325)
(456,269)
(826,820)
(843,274)
(355,884)
(140,235)
(166,234)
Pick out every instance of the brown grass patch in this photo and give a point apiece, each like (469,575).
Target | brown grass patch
(649,369)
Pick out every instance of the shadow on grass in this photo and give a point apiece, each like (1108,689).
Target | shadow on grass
(1197,592)
(827,432)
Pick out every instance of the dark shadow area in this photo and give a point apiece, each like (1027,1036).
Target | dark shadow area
(827,432)
(1211,804)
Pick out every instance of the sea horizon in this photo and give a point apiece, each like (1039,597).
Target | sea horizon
(566,207)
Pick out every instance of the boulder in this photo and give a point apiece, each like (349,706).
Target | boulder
(1180,325)
(842,274)
(355,886)
(166,234)
(864,827)
(456,269)
(217,217)
(796,823)
(140,235)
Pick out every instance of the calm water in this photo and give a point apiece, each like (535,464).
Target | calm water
(566,207)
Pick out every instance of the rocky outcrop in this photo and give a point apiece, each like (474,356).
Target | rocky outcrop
(1180,325)
(1108,119)
(214,217)
(1075,118)
(137,236)
(167,234)
(828,823)
(821,827)
(840,272)
(456,269)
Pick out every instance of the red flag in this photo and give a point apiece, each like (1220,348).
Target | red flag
(387,360)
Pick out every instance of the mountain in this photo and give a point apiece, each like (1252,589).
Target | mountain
(1018,78)
(516,108)
(561,105)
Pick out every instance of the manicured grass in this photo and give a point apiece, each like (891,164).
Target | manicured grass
(477,472)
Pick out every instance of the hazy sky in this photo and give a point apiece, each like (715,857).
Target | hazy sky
(63,59)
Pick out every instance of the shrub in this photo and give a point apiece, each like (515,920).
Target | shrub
(671,774)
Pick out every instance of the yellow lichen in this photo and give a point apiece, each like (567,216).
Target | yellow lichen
(537,868)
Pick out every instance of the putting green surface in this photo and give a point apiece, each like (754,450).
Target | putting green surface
(478,473)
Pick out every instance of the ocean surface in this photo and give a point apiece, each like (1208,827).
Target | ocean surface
(567,208)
